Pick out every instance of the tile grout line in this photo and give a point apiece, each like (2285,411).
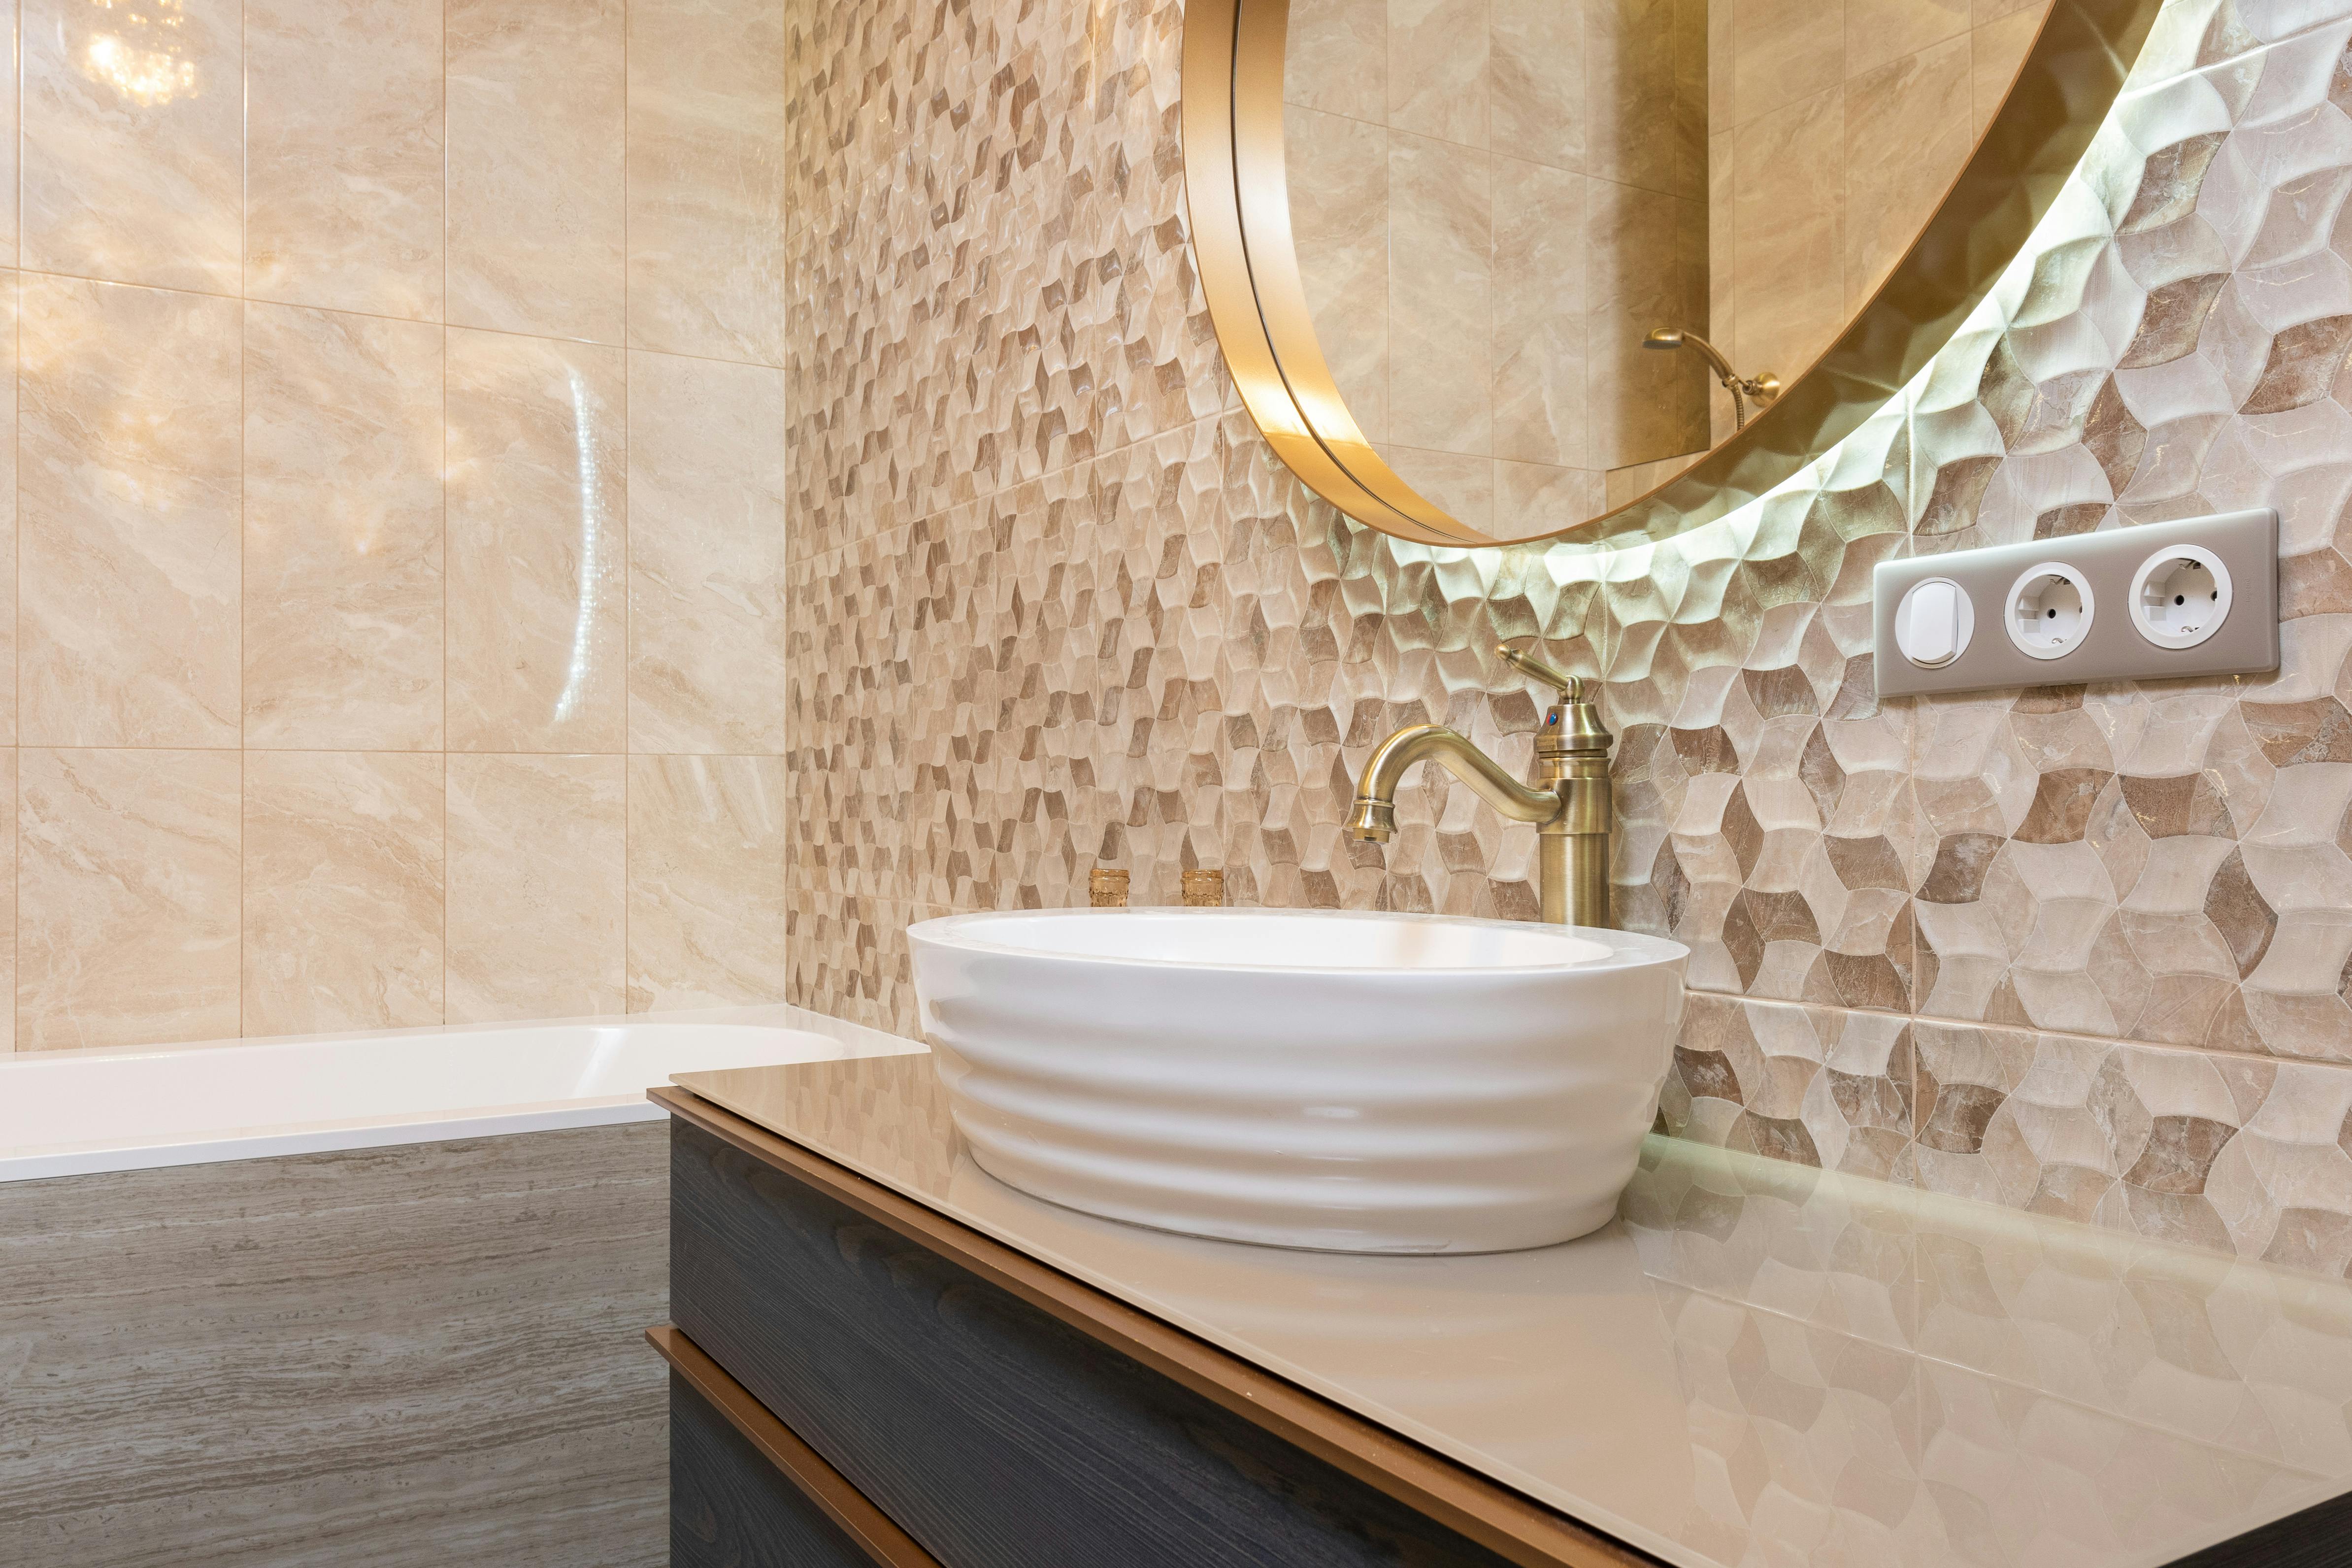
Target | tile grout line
(243,499)
(379,316)
(1943,1021)
(16,543)
(448,880)
(628,535)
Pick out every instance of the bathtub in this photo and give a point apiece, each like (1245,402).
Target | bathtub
(74,1113)
(357,1299)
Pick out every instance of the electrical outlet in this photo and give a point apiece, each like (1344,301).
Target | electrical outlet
(2156,602)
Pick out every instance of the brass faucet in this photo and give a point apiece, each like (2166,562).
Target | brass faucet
(1569,803)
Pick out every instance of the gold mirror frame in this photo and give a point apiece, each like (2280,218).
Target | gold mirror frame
(1239,196)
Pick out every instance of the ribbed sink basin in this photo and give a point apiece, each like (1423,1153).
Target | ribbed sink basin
(1349,1082)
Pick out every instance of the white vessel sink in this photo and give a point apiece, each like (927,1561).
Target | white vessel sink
(1349,1082)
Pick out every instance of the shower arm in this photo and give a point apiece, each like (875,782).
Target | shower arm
(1757,389)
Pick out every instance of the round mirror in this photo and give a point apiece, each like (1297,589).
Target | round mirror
(1492,270)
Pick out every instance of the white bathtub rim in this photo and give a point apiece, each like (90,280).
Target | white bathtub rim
(220,1146)
(216,1145)
(777,1014)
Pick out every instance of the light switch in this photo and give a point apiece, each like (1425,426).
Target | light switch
(1934,624)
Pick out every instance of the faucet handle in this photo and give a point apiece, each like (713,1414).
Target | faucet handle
(1573,727)
(1570,687)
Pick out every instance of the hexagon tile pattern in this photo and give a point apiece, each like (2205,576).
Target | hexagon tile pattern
(2080,949)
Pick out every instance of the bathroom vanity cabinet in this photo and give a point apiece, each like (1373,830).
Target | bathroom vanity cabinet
(853,1375)
(860,1376)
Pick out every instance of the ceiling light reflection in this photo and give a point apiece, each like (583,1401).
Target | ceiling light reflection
(141,54)
(581,668)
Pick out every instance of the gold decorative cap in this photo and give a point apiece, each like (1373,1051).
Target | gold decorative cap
(1106,888)
(1204,889)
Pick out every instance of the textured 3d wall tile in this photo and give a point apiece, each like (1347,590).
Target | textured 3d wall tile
(1054,605)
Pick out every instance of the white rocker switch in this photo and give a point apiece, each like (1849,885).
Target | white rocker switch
(1934,624)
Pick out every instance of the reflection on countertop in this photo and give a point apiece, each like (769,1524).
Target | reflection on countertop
(1756,1362)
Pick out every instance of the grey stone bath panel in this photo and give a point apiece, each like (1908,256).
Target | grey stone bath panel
(425,1355)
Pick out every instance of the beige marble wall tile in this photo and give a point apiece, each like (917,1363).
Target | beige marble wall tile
(706,901)
(1437,68)
(1542,313)
(1441,296)
(1462,483)
(126,897)
(342,899)
(1533,498)
(1339,171)
(345,162)
(1879,32)
(1637,479)
(1644,405)
(11,142)
(1536,80)
(1722,273)
(1336,57)
(128,433)
(8,905)
(538,509)
(1692,27)
(11,297)
(1787,234)
(133,142)
(706,207)
(538,877)
(538,182)
(1645,90)
(1907,134)
(1720,18)
(1783,51)
(343,532)
(706,556)
(1995,50)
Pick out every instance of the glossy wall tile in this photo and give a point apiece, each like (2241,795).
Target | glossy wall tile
(1834,128)
(706,898)
(345,156)
(344,583)
(538,178)
(707,86)
(707,556)
(538,879)
(1488,219)
(318,631)
(128,439)
(538,507)
(127,879)
(133,142)
(343,873)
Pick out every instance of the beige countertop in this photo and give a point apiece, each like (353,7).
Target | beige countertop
(1755,1364)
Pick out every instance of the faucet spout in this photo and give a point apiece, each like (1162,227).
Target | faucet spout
(1373,815)
(1570,805)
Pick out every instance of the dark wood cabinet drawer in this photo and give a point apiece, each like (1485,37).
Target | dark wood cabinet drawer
(997,1436)
(730,1508)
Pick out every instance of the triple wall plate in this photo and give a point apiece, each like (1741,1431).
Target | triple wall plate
(2246,643)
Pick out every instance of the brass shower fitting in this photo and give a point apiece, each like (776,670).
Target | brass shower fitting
(1744,389)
